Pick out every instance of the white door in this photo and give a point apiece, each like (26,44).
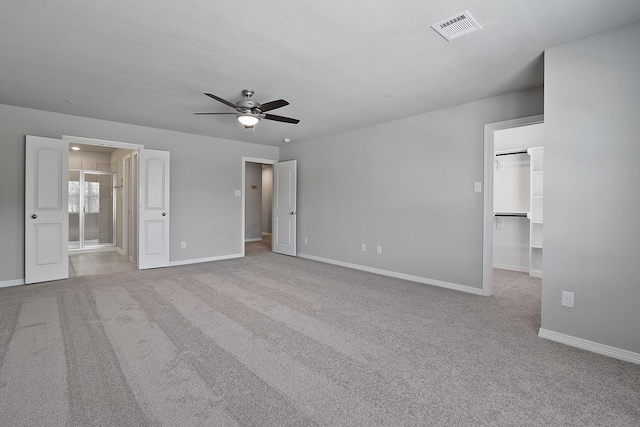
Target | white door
(46,209)
(153,212)
(284,207)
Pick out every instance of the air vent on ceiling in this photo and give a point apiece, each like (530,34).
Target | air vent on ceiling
(457,26)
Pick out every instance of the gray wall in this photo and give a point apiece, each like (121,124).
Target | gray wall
(592,201)
(204,174)
(406,185)
(253,201)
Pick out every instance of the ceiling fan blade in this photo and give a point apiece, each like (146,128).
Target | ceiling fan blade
(224,101)
(281,119)
(273,105)
(215,113)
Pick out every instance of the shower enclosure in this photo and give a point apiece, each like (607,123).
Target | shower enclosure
(91,209)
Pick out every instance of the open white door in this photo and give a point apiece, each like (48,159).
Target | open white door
(46,209)
(284,207)
(153,216)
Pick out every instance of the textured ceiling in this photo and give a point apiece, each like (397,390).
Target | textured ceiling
(341,64)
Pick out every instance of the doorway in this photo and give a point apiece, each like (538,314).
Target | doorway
(257,204)
(489,219)
(512,234)
(96,209)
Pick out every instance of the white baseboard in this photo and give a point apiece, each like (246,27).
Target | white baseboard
(7,283)
(439,283)
(511,268)
(257,239)
(199,260)
(594,347)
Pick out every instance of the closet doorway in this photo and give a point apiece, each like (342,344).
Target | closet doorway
(512,224)
(513,233)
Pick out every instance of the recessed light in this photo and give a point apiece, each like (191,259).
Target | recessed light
(389,95)
(75,148)
(286,140)
(71,101)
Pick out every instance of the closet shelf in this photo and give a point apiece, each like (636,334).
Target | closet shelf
(515,214)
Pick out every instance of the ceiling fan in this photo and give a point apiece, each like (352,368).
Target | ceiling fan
(249,112)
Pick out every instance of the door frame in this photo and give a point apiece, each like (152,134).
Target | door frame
(125,184)
(487,220)
(246,160)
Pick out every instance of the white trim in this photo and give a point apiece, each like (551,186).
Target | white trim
(126,189)
(511,268)
(439,283)
(487,221)
(199,260)
(101,142)
(7,283)
(594,347)
(94,249)
(244,169)
(257,239)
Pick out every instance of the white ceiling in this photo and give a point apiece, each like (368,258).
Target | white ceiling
(341,64)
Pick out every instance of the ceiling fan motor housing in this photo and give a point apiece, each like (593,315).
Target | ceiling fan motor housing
(247,104)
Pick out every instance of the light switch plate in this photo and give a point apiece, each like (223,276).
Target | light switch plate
(477,186)
(238,193)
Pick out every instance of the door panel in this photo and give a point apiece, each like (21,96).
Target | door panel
(153,219)
(284,207)
(46,209)
(48,238)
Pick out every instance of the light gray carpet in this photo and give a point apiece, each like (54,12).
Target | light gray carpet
(271,340)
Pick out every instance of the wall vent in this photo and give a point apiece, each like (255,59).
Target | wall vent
(457,26)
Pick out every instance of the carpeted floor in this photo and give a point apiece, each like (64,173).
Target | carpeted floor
(271,340)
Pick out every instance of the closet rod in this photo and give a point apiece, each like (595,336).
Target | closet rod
(511,152)
(516,214)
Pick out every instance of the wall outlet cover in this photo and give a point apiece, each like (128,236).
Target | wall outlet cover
(567,299)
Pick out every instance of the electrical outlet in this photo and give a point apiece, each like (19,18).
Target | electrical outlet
(183,244)
(567,299)
(363,247)
(379,250)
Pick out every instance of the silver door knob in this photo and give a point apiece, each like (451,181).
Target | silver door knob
(164,214)
(290,213)
(34,216)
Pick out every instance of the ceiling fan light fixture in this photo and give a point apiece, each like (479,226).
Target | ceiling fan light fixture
(248,119)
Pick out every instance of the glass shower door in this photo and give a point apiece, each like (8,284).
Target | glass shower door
(91,209)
